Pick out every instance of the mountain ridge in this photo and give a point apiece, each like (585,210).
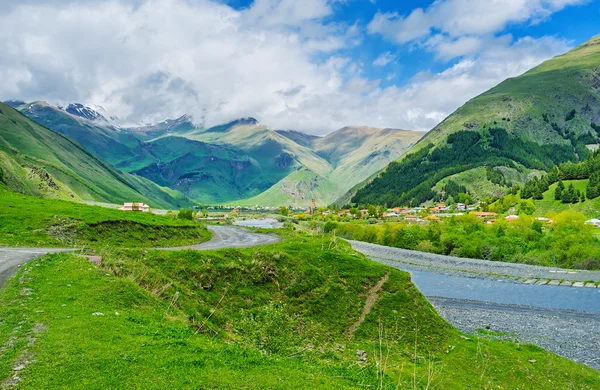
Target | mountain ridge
(245,158)
(544,117)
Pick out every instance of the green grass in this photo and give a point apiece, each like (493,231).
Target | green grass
(268,318)
(591,207)
(37,222)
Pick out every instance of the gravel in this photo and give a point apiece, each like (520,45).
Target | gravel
(469,267)
(572,334)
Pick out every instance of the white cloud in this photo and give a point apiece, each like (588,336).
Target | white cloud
(384,59)
(457,26)
(148,60)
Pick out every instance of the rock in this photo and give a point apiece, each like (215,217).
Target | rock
(590,285)
(98,314)
(554,282)
(19,367)
(566,283)
(530,281)
(532,361)
(578,284)
(361,355)
(542,281)
(464,337)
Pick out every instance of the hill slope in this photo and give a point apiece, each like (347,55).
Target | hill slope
(37,161)
(239,162)
(541,118)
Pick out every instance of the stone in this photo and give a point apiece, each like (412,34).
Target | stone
(590,285)
(554,282)
(566,283)
(578,284)
(532,361)
(98,314)
(542,281)
(19,367)
(530,281)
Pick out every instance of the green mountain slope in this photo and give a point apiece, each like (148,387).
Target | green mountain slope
(358,152)
(237,162)
(544,117)
(37,161)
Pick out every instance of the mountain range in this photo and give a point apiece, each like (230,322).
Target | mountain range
(35,160)
(523,126)
(238,163)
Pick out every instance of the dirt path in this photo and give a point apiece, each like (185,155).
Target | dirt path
(369,303)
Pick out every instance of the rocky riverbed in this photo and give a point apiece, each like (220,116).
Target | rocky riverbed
(476,297)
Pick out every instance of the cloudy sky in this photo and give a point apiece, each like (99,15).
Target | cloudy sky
(309,65)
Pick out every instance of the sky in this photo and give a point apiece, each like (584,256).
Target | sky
(308,65)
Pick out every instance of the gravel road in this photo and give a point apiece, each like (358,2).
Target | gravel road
(231,237)
(223,237)
(570,333)
(12,258)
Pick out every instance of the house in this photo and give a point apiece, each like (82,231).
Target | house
(461,206)
(135,207)
(511,218)
(594,222)
(484,214)
(391,215)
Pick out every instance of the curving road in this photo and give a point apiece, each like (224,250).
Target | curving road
(230,237)
(224,237)
(13,258)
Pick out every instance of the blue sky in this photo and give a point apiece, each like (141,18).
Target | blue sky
(310,65)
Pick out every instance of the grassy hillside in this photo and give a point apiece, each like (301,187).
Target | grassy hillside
(233,162)
(37,161)
(358,152)
(278,317)
(590,208)
(297,189)
(536,120)
(34,222)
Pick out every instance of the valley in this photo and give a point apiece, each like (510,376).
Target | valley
(238,163)
(269,194)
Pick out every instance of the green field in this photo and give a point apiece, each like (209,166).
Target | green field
(35,222)
(591,207)
(277,317)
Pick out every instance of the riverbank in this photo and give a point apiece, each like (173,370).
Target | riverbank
(491,300)
(569,333)
(448,265)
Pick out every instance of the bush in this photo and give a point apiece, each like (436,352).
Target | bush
(329,227)
(186,214)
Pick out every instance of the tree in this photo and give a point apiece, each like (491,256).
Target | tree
(284,211)
(527,207)
(559,190)
(355,213)
(593,187)
(570,195)
(373,212)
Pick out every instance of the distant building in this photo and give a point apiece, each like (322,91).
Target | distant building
(135,207)
(391,215)
(511,218)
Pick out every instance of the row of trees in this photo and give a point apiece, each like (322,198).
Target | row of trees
(567,242)
(587,169)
